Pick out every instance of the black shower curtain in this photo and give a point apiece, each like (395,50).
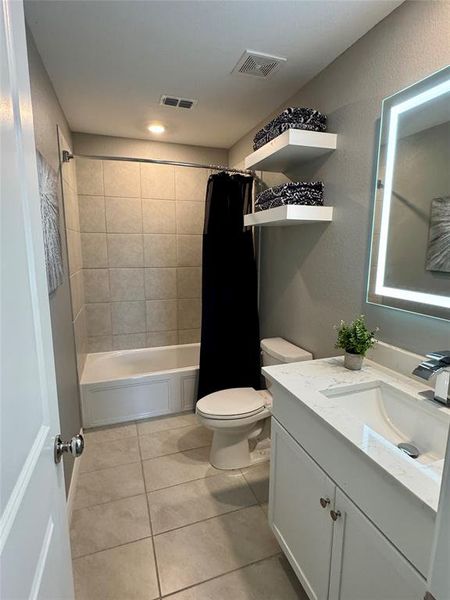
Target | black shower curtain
(229,352)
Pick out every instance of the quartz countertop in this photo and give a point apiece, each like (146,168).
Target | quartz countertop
(306,380)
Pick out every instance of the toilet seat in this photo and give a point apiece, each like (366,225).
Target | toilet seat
(234,403)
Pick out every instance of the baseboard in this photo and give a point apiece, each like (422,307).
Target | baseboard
(73,487)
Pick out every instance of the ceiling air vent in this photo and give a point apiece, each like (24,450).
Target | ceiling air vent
(177,102)
(257,64)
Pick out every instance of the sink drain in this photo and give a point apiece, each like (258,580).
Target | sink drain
(409,449)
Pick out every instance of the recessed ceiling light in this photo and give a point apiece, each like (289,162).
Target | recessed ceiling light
(156,128)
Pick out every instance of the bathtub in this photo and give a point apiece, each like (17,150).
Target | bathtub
(127,385)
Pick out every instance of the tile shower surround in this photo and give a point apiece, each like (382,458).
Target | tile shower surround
(141,237)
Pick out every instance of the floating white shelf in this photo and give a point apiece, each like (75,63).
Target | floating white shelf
(290,215)
(292,147)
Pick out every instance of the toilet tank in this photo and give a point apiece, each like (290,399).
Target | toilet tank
(276,351)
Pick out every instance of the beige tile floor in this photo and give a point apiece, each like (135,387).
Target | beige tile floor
(152,519)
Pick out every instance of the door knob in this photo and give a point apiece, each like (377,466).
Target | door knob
(324,502)
(335,514)
(75,447)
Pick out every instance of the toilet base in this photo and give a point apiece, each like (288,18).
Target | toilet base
(230,447)
(229,451)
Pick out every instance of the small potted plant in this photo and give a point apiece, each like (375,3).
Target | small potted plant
(356,340)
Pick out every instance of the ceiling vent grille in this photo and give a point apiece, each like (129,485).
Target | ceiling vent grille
(177,102)
(257,64)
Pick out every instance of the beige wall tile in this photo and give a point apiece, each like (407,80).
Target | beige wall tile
(189,313)
(93,247)
(190,183)
(128,317)
(92,214)
(74,250)
(161,315)
(127,341)
(98,318)
(160,250)
(69,171)
(126,284)
(125,250)
(71,211)
(189,282)
(189,336)
(126,572)
(189,250)
(96,285)
(162,338)
(158,181)
(159,216)
(99,343)
(190,217)
(123,215)
(76,292)
(89,176)
(160,283)
(121,179)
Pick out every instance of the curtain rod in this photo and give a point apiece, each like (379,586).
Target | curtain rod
(68,156)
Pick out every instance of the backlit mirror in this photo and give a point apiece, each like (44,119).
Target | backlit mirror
(410,255)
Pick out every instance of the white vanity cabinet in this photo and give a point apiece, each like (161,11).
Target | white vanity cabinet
(345,558)
(300,523)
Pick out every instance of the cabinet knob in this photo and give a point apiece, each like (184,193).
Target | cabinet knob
(324,502)
(335,514)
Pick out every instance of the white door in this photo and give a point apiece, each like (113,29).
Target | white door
(301,496)
(34,542)
(365,565)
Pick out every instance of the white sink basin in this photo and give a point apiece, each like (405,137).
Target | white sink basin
(396,416)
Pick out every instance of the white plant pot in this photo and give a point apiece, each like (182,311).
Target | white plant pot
(353,361)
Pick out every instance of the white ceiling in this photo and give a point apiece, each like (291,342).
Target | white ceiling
(110,61)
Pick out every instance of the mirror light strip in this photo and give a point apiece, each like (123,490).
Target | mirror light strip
(380,288)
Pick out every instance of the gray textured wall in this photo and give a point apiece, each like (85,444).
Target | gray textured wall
(314,275)
(47,115)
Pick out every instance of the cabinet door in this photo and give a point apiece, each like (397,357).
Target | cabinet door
(365,565)
(302,527)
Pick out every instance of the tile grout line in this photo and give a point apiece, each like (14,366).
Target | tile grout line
(248,483)
(224,514)
(144,493)
(193,586)
(145,537)
(196,478)
(168,487)
(100,428)
(155,561)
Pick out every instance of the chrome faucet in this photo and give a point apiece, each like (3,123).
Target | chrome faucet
(439,366)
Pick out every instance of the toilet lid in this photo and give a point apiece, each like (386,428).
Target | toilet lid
(233,403)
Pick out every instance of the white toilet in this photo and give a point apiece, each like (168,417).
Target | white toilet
(238,415)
